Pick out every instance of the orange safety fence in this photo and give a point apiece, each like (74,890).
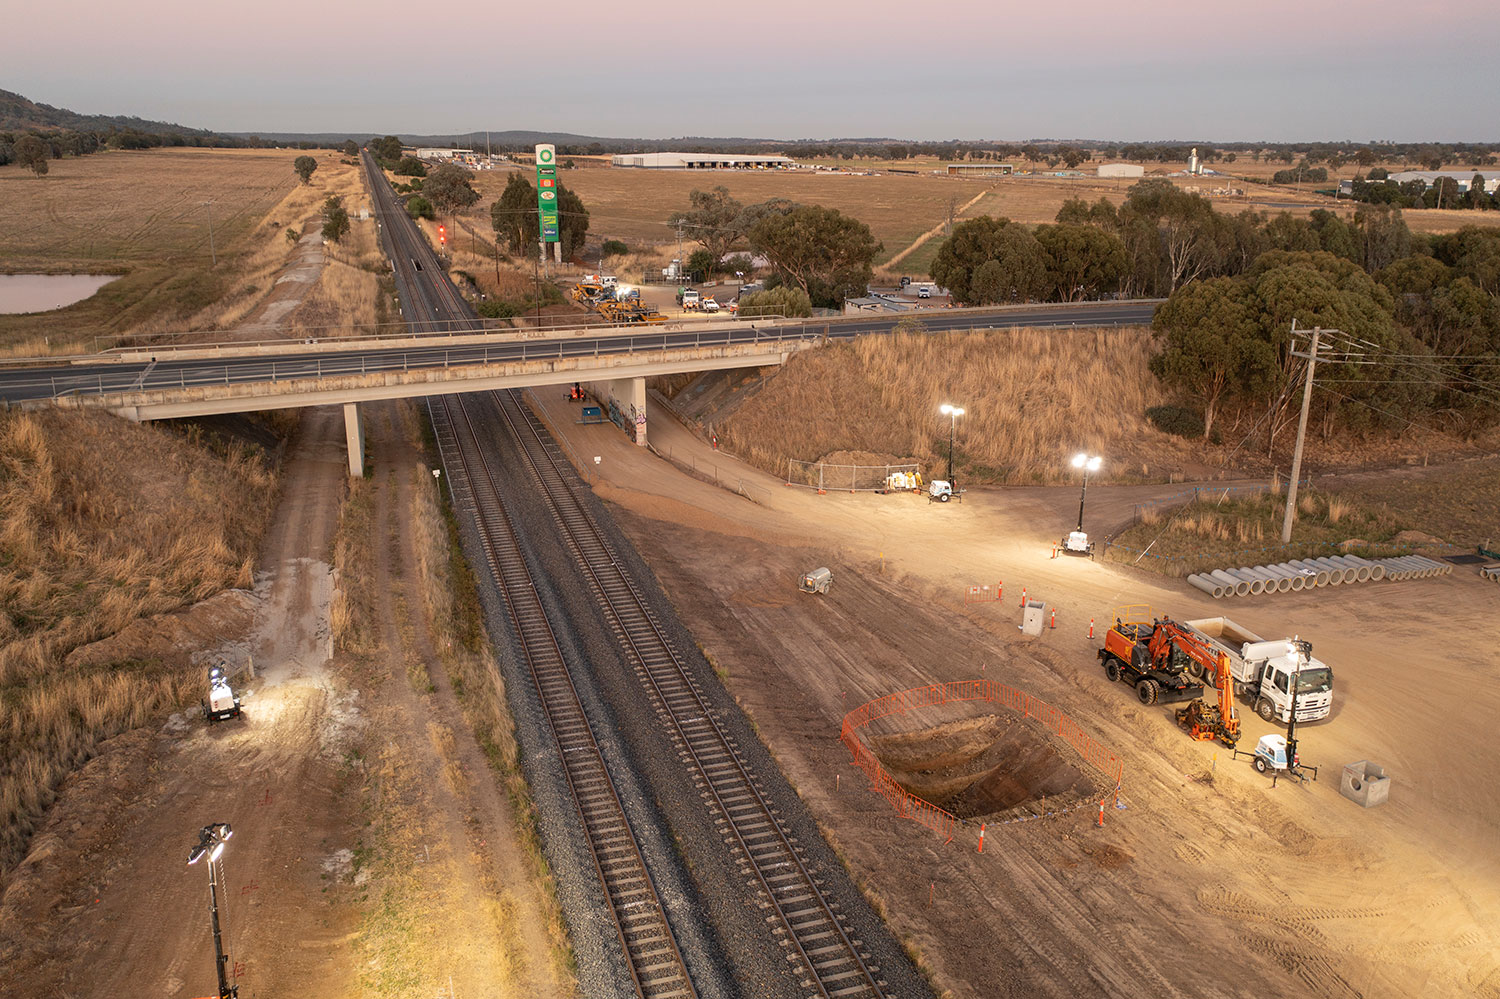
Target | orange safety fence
(945,823)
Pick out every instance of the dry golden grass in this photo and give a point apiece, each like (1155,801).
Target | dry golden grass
(141,214)
(454,617)
(102,522)
(633,205)
(1033,398)
(352,615)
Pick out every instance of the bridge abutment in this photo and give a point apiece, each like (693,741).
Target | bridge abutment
(629,397)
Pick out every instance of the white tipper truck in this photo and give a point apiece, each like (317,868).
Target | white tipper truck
(1264,670)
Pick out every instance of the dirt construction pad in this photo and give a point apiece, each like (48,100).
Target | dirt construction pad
(1206,880)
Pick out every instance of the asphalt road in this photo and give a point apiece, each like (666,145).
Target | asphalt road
(429,303)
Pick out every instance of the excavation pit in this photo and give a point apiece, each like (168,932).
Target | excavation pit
(988,767)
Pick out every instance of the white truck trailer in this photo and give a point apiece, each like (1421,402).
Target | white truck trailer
(1264,671)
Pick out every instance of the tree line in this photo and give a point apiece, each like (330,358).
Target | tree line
(1235,283)
(30,147)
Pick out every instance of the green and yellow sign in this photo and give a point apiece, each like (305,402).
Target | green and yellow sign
(546,190)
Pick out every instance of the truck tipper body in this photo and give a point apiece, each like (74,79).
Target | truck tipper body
(1264,670)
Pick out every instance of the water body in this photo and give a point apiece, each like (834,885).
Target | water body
(45,292)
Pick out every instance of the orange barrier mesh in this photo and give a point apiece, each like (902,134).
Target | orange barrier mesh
(945,823)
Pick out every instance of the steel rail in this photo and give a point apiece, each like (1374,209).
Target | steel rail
(656,965)
(833,960)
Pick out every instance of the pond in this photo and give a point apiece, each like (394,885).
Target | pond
(45,292)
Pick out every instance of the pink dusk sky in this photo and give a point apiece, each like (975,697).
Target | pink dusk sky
(1278,70)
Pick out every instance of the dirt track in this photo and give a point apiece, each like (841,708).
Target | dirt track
(1209,882)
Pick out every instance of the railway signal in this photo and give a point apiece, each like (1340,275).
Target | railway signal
(442,236)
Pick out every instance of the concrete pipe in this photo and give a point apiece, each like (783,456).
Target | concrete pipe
(1338,571)
(1266,578)
(1233,586)
(1212,587)
(1394,570)
(1438,568)
(1377,571)
(1420,568)
(1360,567)
(1299,580)
(1285,581)
(1335,572)
(1319,575)
(1257,585)
(1408,567)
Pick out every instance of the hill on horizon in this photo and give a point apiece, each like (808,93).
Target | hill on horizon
(18,113)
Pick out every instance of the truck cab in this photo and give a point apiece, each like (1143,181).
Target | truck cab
(1273,695)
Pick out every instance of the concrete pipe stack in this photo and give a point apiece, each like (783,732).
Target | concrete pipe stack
(1490,572)
(1309,573)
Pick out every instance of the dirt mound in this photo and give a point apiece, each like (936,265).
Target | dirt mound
(982,767)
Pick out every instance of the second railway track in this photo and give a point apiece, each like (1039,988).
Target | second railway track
(831,961)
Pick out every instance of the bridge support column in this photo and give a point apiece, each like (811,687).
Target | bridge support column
(628,395)
(354,433)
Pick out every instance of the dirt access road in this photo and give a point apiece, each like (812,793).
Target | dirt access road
(332,753)
(1209,882)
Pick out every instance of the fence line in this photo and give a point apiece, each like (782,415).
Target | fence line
(943,822)
(822,476)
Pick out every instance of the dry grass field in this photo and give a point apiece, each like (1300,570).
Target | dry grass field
(632,205)
(1033,398)
(104,522)
(141,214)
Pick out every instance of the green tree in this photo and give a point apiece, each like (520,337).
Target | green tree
(387,150)
(1082,261)
(409,166)
(782,301)
(514,215)
(351,148)
(824,252)
(419,207)
(1212,348)
(448,188)
(32,153)
(516,222)
(613,248)
(1179,223)
(305,165)
(335,219)
(987,260)
(712,222)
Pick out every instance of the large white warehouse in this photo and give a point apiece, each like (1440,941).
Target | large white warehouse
(702,161)
(1121,170)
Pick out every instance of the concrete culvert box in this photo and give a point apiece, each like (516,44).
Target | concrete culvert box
(817,581)
(1365,784)
(1033,617)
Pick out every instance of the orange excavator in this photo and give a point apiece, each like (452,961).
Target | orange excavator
(1173,645)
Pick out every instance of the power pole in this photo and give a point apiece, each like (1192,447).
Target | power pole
(212,252)
(1291,489)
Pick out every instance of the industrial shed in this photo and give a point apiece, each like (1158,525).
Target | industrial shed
(702,161)
(981,169)
(1121,170)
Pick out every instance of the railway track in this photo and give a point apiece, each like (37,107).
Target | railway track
(830,960)
(645,935)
